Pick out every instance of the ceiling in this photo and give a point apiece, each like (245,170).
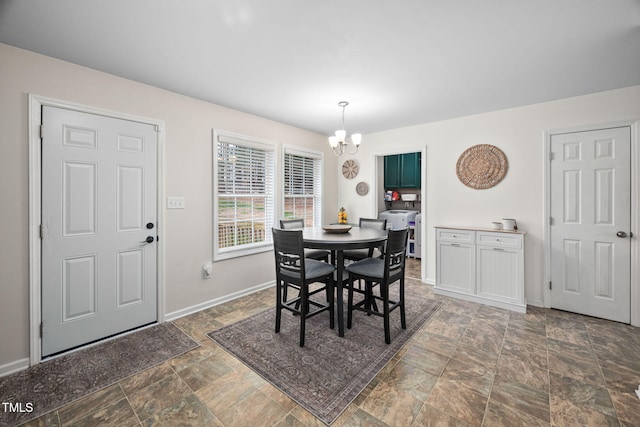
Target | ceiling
(398,63)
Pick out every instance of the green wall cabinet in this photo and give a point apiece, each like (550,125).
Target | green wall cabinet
(402,170)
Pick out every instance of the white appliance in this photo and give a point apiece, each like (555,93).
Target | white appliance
(418,236)
(397,219)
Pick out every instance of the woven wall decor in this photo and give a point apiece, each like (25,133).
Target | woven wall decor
(482,166)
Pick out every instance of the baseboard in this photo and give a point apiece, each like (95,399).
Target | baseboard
(13,367)
(535,303)
(519,308)
(217,301)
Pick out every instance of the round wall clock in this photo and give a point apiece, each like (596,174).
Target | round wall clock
(482,166)
(350,169)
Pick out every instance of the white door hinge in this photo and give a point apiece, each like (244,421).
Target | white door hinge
(550,220)
(41,231)
(550,155)
(550,285)
(41,329)
(41,131)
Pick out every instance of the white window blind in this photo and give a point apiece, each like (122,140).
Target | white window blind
(303,186)
(245,172)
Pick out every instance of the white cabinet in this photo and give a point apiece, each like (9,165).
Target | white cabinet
(455,260)
(482,266)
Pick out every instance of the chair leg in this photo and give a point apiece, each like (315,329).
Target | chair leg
(278,304)
(368,296)
(387,329)
(330,293)
(374,305)
(298,303)
(349,302)
(403,319)
(304,309)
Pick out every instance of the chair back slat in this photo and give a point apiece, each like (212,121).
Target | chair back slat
(291,224)
(380,224)
(396,250)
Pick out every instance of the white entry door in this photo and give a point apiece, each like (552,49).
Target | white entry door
(591,223)
(99,227)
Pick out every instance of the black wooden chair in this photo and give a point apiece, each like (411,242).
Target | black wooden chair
(358,254)
(298,224)
(292,269)
(383,273)
(351,255)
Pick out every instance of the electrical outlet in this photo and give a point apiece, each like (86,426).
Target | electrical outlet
(175,202)
(207,270)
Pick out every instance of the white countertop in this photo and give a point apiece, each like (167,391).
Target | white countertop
(480,229)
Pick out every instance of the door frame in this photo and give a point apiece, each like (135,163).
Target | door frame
(375,202)
(36,102)
(635,208)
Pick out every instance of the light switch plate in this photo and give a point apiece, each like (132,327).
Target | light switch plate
(175,202)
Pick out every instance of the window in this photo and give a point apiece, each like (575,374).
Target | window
(244,184)
(303,186)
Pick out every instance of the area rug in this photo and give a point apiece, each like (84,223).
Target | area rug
(329,372)
(58,382)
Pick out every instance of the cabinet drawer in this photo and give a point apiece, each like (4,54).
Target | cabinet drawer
(453,235)
(501,240)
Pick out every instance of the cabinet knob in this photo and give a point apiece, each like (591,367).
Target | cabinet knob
(497,239)
(454,236)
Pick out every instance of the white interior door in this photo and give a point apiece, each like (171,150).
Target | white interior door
(98,210)
(591,223)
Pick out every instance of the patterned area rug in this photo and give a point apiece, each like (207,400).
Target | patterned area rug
(329,372)
(55,383)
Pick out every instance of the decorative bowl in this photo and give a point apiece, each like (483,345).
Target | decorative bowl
(337,228)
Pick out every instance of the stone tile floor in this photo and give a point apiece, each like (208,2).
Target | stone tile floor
(471,365)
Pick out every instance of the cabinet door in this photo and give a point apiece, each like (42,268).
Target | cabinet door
(392,171)
(500,274)
(410,170)
(456,267)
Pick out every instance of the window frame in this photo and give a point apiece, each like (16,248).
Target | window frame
(271,147)
(318,191)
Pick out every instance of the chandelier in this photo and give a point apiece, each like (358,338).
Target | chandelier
(339,142)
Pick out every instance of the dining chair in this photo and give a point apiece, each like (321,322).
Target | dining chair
(358,254)
(298,224)
(292,269)
(383,273)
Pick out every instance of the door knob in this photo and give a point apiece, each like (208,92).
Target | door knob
(621,234)
(149,239)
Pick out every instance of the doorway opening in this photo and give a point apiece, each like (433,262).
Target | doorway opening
(418,204)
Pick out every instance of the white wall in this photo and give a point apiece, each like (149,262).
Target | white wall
(188,141)
(519,132)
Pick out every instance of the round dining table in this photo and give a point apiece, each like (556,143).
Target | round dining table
(356,238)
